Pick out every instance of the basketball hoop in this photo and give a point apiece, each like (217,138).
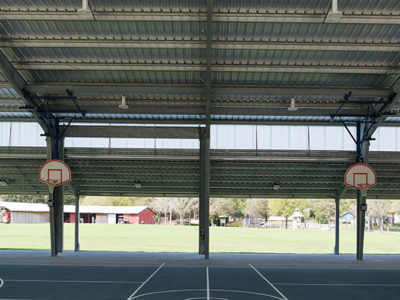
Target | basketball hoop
(360,177)
(362,186)
(53,182)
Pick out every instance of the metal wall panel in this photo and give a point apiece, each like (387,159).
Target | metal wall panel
(29,217)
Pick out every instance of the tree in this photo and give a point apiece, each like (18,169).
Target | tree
(348,205)
(323,210)
(394,208)
(141,201)
(378,209)
(182,206)
(257,207)
(106,201)
(221,207)
(161,206)
(68,199)
(285,207)
(239,205)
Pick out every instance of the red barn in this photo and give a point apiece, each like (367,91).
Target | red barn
(111,214)
(14,212)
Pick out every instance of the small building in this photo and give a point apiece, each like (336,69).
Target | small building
(297,218)
(15,212)
(348,218)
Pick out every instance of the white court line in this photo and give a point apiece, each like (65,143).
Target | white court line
(137,290)
(262,276)
(1,282)
(73,281)
(341,284)
(200,290)
(208,285)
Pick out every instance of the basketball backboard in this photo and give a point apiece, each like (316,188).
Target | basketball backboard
(360,177)
(54,173)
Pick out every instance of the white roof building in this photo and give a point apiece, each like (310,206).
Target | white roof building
(83,209)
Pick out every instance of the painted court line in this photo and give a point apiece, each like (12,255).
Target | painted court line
(137,290)
(202,290)
(208,285)
(340,284)
(262,276)
(1,282)
(73,281)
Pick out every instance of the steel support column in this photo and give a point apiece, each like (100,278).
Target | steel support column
(55,147)
(204,195)
(77,218)
(362,157)
(361,209)
(205,154)
(337,224)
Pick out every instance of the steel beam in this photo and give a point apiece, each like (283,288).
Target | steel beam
(189,89)
(239,43)
(266,109)
(132,132)
(126,66)
(196,17)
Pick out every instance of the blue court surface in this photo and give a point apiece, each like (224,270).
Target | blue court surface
(22,281)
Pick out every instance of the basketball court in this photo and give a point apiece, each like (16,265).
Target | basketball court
(235,99)
(185,276)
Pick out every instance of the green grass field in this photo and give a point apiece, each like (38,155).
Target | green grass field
(161,238)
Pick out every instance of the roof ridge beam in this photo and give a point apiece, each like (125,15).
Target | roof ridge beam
(185,44)
(79,66)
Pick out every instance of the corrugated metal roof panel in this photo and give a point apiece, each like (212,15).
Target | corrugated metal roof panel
(100,55)
(298,79)
(8,93)
(21,115)
(197,56)
(392,119)
(307,6)
(135,116)
(2,77)
(52,5)
(278,118)
(109,29)
(307,32)
(113,76)
(299,57)
(251,6)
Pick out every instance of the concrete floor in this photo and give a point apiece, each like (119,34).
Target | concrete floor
(178,276)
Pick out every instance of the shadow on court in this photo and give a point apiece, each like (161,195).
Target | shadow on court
(195,283)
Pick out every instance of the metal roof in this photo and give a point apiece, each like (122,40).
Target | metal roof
(175,172)
(154,52)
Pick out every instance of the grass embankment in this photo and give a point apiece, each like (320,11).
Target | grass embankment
(160,238)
